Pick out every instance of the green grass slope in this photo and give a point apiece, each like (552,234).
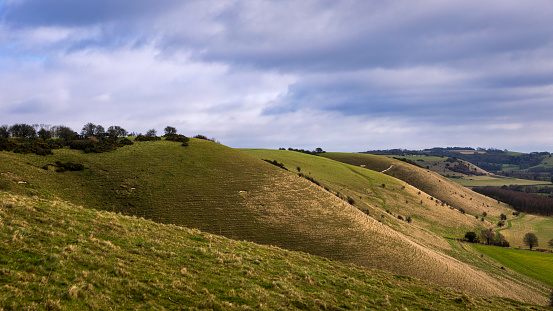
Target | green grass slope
(537,265)
(224,191)
(432,183)
(58,256)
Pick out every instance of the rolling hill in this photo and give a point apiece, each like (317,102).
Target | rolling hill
(227,192)
(58,256)
(432,183)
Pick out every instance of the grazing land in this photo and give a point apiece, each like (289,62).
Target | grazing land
(541,226)
(58,256)
(339,211)
(537,265)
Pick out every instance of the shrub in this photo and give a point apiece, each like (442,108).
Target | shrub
(177,137)
(146,138)
(68,166)
(351,200)
(125,142)
(313,181)
(471,237)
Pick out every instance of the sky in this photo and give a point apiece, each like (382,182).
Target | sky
(340,75)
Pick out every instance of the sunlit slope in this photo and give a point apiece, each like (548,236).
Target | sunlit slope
(383,197)
(225,191)
(58,256)
(427,181)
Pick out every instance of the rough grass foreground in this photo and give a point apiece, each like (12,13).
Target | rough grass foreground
(56,256)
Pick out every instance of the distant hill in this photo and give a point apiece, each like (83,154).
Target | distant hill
(227,192)
(533,166)
(432,183)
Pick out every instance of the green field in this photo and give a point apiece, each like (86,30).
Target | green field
(482,181)
(541,226)
(57,256)
(536,265)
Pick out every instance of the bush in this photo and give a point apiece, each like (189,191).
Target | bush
(177,137)
(125,142)
(68,166)
(146,138)
(95,145)
(351,200)
(471,237)
(276,163)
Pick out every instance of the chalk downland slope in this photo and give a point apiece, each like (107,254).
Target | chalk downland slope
(432,183)
(58,256)
(224,191)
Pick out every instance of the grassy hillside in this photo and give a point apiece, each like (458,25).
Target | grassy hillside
(382,197)
(58,256)
(224,191)
(432,183)
(541,226)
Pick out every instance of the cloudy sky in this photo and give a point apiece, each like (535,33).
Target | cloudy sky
(341,75)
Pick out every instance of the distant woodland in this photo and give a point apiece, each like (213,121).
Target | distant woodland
(521,201)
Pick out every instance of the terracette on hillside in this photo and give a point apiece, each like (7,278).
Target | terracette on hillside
(224,191)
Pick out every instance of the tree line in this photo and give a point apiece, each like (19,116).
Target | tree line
(41,139)
(521,201)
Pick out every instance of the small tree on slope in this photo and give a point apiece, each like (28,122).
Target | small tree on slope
(530,240)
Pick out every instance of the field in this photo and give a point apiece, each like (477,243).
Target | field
(541,226)
(537,265)
(481,181)
(228,192)
(58,256)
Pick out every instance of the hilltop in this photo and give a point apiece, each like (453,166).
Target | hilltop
(228,192)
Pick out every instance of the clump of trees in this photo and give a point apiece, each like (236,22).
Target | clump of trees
(520,201)
(314,152)
(487,236)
